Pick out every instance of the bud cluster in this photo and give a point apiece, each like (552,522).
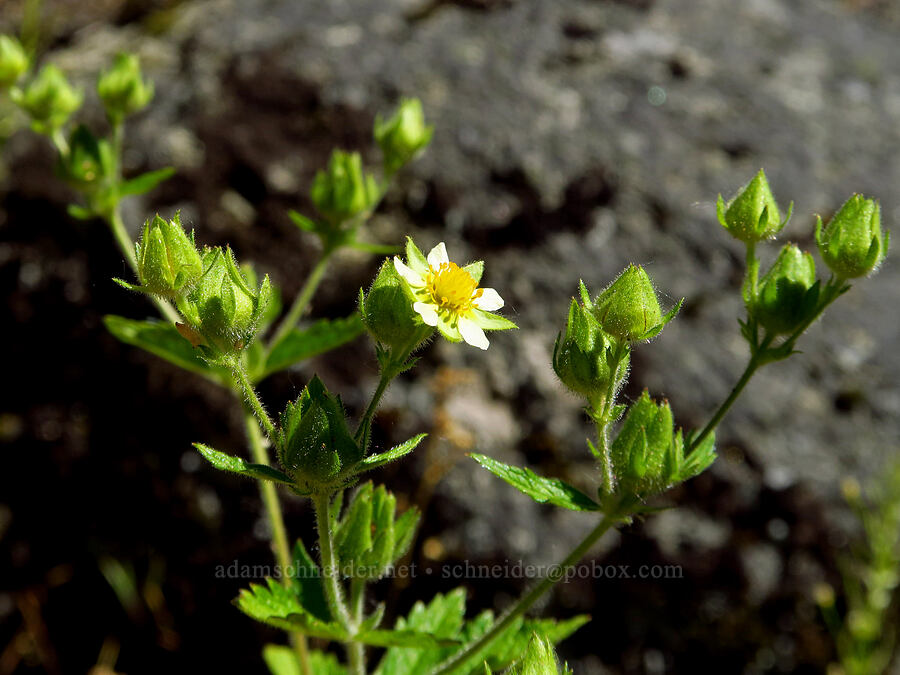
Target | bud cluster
(591,356)
(49,100)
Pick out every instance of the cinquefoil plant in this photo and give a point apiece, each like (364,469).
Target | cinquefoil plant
(219,320)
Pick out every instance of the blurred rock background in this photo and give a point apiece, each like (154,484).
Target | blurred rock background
(572,137)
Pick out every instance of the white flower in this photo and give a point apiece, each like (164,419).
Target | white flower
(447,295)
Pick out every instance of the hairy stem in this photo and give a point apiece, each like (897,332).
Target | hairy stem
(240,375)
(557,573)
(334,594)
(603,421)
(365,424)
(280,546)
(301,302)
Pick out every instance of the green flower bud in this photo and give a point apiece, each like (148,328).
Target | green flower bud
(403,135)
(788,292)
(121,88)
(387,312)
(222,310)
(370,537)
(640,452)
(539,659)
(13,61)
(167,258)
(629,310)
(89,160)
(752,215)
(315,446)
(49,99)
(583,355)
(852,244)
(344,190)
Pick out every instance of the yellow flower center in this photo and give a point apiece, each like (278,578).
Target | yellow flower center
(451,287)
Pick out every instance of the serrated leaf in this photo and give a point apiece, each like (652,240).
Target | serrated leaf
(542,490)
(322,336)
(282,660)
(441,618)
(403,638)
(307,581)
(226,462)
(398,451)
(145,182)
(163,340)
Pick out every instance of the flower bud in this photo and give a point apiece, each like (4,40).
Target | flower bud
(222,308)
(852,244)
(387,312)
(539,659)
(629,310)
(640,452)
(344,190)
(13,61)
(121,88)
(582,356)
(314,444)
(88,162)
(49,99)
(752,215)
(788,292)
(403,135)
(167,258)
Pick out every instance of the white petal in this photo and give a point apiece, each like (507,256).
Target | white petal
(489,300)
(412,277)
(427,312)
(437,256)
(471,332)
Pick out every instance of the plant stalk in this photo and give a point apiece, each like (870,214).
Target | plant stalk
(334,594)
(301,302)
(473,650)
(240,374)
(280,546)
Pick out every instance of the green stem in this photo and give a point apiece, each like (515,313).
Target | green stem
(357,650)
(334,594)
(752,279)
(280,545)
(301,302)
(240,375)
(602,421)
(756,361)
(365,424)
(473,650)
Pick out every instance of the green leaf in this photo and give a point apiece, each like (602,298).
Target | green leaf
(405,531)
(279,606)
(403,638)
(540,489)
(398,451)
(164,340)
(225,462)
(301,221)
(282,660)
(308,583)
(441,618)
(324,335)
(145,182)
